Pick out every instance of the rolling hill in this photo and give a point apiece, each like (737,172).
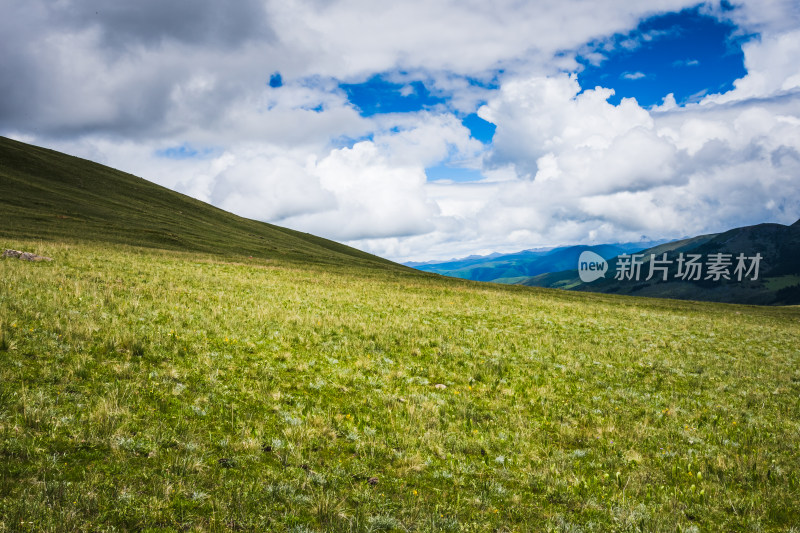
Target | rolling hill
(778,281)
(45,194)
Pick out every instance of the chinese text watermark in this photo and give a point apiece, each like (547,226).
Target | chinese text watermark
(688,267)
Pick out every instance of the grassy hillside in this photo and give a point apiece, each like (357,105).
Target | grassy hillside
(49,195)
(151,383)
(146,390)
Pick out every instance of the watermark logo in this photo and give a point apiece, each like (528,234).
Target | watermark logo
(686,267)
(591,266)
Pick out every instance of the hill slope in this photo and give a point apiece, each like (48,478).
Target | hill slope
(48,195)
(778,281)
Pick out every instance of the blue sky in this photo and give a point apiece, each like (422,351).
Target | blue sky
(428,129)
(688,54)
(379,95)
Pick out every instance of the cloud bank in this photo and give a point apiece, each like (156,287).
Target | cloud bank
(184,94)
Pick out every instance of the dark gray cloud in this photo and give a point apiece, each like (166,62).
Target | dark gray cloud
(19,86)
(71,68)
(126,24)
(20,82)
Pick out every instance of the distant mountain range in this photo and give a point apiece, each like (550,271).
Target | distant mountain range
(520,266)
(777,282)
(774,247)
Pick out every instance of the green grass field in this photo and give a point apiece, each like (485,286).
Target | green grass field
(145,390)
(179,368)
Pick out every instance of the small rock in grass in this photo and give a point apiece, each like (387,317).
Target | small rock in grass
(373,481)
(25,256)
